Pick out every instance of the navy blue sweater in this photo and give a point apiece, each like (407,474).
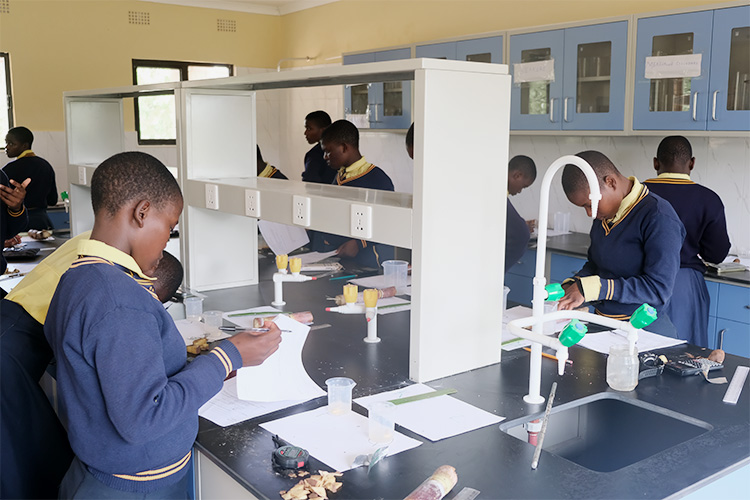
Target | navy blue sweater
(517,236)
(702,213)
(11,223)
(316,168)
(637,258)
(43,190)
(127,396)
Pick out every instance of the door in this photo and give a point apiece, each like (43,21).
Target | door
(357,97)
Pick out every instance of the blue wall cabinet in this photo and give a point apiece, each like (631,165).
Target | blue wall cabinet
(716,94)
(379,104)
(587,89)
(729,318)
(519,278)
(488,50)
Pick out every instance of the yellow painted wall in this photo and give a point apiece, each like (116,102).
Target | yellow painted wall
(59,45)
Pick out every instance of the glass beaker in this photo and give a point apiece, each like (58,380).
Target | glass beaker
(381,421)
(622,367)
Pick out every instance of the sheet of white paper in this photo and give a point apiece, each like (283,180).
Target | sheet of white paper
(392,305)
(436,418)
(509,340)
(378,281)
(687,65)
(319,267)
(647,341)
(534,71)
(335,440)
(226,409)
(312,257)
(246,320)
(282,375)
(194,330)
(282,238)
(29,239)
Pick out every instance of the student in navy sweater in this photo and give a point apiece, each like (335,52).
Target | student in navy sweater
(702,213)
(316,168)
(42,191)
(521,174)
(127,396)
(635,246)
(14,217)
(340,143)
(265,169)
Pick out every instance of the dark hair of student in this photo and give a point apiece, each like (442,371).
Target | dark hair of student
(573,178)
(132,176)
(410,136)
(168,274)
(341,132)
(22,135)
(674,149)
(319,118)
(523,164)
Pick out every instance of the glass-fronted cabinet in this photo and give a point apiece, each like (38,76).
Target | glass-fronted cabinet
(379,104)
(486,49)
(571,79)
(693,71)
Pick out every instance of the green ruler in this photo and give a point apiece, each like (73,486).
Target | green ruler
(419,397)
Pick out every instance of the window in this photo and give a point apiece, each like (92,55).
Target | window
(155,115)
(6,105)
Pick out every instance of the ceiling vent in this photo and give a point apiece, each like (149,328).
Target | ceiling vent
(229,25)
(135,17)
(4,6)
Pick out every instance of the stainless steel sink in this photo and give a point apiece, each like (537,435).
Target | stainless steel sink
(607,431)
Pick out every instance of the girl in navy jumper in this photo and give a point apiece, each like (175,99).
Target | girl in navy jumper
(635,246)
(128,398)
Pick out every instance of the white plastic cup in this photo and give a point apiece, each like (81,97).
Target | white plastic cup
(193,308)
(395,274)
(381,420)
(213,319)
(340,395)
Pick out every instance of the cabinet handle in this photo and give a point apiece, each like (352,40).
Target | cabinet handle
(552,109)
(747,306)
(695,106)
(713,107)
(565,109)
(721,339)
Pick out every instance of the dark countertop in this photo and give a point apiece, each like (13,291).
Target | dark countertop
(577,245)
(486,459)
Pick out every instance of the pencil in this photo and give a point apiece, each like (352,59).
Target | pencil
(549,356)
(256,313)
(343,277)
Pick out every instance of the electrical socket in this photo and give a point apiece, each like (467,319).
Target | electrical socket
(301,210)
(361,221)
(252,203)
(82,176)
(212,196)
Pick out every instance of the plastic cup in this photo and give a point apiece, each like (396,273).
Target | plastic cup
(381,419)
(340,395)
(395,274)
(193,308)
(213,318)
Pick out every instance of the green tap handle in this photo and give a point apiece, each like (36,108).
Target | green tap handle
(64,195)
(554,291)
(572,333)
(643,316)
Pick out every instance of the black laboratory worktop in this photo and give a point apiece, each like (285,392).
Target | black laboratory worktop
(486,459)
(577,245)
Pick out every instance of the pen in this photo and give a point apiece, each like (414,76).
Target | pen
(255,313)
(343,277)
(549,356)
(241,329)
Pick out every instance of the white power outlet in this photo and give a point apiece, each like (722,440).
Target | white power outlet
(212,196)
(252,203)
(301,210)
(361,221)
(82,176)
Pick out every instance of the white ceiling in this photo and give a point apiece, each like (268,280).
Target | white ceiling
(269,7)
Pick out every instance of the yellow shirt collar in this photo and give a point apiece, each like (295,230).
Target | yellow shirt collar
(628,201)
(268,171)
(95,248)
(670,175)
(28,152)
(357,168)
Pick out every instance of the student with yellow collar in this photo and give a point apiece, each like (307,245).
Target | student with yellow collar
(267,170)
(42,191)
(702,213)
(635,246)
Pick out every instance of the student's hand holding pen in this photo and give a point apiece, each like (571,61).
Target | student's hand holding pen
(256,347)
(572,299)
(349,249)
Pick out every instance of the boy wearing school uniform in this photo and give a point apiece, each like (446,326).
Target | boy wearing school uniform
(14,217)
(127,396)
(316,168)
(265,169)
(340,142)
(635,246)
(702,213)
(521,174)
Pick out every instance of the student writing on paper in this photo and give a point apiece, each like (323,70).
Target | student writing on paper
(702,213)
(128,398)
(635,246)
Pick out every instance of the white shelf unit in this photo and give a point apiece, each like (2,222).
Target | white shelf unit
(454,222)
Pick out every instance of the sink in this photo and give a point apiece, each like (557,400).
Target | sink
(608,431)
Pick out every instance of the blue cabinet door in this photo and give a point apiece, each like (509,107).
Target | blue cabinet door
(536,105)
(446,50)
(392,100)
(357,97)
(672,103)
(734,303)
(734,337)
(595,61)
(487,50)
(563,267)
(713,295)
(712,334)
(729,98)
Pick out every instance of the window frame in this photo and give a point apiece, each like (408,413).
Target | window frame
(183,66)
(6,62)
